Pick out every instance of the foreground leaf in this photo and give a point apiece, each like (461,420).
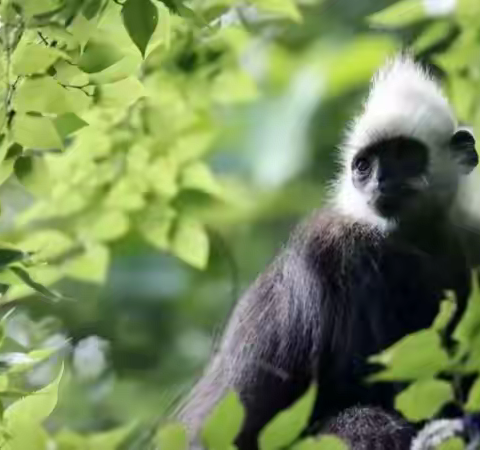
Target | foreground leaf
(422,399)
(140,18)
(287,425)
(224,424)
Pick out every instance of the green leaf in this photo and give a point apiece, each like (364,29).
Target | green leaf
(155,223)
(45,95)
(422,399)
(281,8)
(325,442)
(32,8)
(68,123)
(432,35)
(172,437)
(103,225)
(91,8)
(462,95)
(234,86)
(473,402)
(121,94)
(469,327)
(99,55)
(45,244)
(32,172)
(418,355)
(454,443)
(36,132)
(34,408)
(446,312)
(190,242)
(140,18)
(402,13)
(224,423)
(23,275)
(34,58)
(287,425)
(91,266)
(109,440)
(9,256)
(198,176)
(162,176)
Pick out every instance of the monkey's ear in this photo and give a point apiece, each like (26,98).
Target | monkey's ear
(462,145)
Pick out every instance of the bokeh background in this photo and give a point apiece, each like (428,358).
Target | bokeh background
(135,340)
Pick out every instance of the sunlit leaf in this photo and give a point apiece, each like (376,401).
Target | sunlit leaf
(454,443)
(32,172)
(172,436)
(35,408)
(287,425)
(224,423)
(23,275)
(34,58)
(281,8)
(98,56)
(422,399)
(190,242)
(36,132)
(198,176)
(45,95)
(324,442)
(156,225)
(404,12)
(469,326)
(68,123)
(473,402)
(418,355)
(91,266)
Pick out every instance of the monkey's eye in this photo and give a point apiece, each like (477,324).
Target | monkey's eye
(362,165)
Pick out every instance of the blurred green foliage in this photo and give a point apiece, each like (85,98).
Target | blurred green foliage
(154,155)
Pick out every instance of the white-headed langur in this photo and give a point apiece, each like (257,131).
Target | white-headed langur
(367,269)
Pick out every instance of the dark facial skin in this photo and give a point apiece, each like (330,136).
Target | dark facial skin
(390,172)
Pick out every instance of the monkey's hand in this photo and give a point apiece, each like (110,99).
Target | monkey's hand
(439,431)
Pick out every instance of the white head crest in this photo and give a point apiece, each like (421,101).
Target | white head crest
(404,100)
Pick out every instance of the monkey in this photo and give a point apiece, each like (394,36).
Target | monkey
(368,268)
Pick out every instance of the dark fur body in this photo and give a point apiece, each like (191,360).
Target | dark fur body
(339,292)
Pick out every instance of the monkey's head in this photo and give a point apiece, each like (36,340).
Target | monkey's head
(404,156)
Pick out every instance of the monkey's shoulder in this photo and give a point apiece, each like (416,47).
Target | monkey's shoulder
(329,235)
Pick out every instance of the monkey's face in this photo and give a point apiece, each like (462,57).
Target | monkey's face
(400,176)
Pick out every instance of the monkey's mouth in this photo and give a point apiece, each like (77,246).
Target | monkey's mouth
(393,203)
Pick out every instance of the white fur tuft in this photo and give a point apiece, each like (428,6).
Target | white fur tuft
(404,100)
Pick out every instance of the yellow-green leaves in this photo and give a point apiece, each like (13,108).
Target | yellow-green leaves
(32,409)
(34,58)
(473,402)
(140,18)
(418,355)
(172,437)
(325,442)
(422,399)
(35,132)
(287,425)
(99,55)
(223,425)
(190,242)
(281,8)
(401,13)
(45,95)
